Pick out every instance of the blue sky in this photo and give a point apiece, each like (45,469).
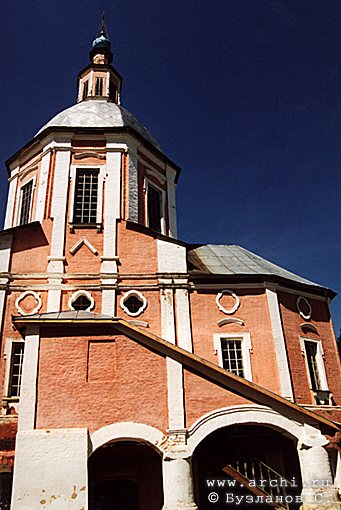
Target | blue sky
(245,95)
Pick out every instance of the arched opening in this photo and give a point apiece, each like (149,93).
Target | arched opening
(125,475)
(252,453)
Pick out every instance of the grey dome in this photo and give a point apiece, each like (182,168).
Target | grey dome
(99,114)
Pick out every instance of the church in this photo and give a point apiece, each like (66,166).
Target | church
(137,371)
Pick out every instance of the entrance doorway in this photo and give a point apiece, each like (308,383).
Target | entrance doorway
(125,475)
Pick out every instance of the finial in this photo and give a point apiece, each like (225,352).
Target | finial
(103,27)
(101,48)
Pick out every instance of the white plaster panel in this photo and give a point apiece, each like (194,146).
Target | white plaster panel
(176,412)
(126,431)
(183,321)
(280,348)
(171,188)
(108,302)
(11,200)
(28,393)
(43,178)
(167,315)
(51,470)
(59,202)
(171,257)
(5,252)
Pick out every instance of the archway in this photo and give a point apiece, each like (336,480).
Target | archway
(253,453)
(125,475)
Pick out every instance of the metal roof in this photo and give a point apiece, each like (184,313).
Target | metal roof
(99,113)
(234,260)
(66,315)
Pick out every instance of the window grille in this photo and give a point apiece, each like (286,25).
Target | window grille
(232,355)
(311,352)
(17,360)
(85,89)
(99,87)
(86,196)
(26,197)
(154,201)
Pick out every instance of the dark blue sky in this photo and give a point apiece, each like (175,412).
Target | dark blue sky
(245,95)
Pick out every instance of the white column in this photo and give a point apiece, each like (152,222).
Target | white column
(178,484)
(11,198)
(279,341)
(50,471)
(318,488)
(28,394)
(5,253)
(42,187)
(183,319)
(112,212)
(171,187)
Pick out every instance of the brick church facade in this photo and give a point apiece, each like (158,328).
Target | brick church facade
(136,370)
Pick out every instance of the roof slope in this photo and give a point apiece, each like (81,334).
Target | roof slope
(99,113)
(221,259)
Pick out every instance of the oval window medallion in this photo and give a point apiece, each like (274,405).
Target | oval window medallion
(81,300)
(233,308)
(133,303)
(304,307)
(28,303)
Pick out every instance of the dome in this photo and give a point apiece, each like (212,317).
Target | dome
(98,114)
(101,42)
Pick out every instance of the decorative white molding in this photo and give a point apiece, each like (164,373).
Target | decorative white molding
(76,295)
(137,294)
(235,297)
(310,327)
(157,175)
(183,320)
(42,186)
(80,243)
(11,198)
(230,320)
(28,394)
(171,197)
(306,316)
(22,296)
(319,359)
(88,154)
(238,415)
(126,431)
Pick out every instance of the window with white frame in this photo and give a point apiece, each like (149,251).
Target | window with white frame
(313,353)
(233,352)
(25,203)
(155,208)
(86,196)
(14,353)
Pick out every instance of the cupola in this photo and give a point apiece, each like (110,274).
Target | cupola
(99,80)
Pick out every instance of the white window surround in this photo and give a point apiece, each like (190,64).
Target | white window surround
(8,351)
(137,294)
(19,200)
(319,359)
(25,294)
(234,308)
(101,178)
(246,349)
(79,293)
(148,183)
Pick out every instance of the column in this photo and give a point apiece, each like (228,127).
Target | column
(178,483)
(318,488)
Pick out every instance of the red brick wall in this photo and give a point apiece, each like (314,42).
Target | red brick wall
(79,387)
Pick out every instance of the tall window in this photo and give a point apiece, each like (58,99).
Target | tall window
(86,196)
(154,208)
(233,351)
(99,87)
(17,358)
(85,89)
(312,362)
(25,207)
(232,355)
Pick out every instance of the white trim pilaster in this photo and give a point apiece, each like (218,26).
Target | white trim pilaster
(171,188)
(133,192)
(183,320)
(28,392)
(41,192)
(279,341)
(11,198)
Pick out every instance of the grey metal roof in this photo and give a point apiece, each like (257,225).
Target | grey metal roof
(235,260)
(95,113)
(66,315)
